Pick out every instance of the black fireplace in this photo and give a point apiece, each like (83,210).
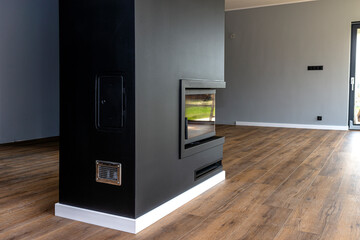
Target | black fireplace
(120,67)
(197,125)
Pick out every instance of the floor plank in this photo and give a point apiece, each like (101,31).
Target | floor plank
(281,184)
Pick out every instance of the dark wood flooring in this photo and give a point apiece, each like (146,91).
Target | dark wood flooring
(281,184)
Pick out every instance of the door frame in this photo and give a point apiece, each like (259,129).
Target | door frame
(354,28)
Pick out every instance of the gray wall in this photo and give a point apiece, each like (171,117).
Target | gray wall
(177,39)
(266,64)
(29,99)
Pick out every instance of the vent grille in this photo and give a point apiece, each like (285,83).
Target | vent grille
(108,172)
(207,170)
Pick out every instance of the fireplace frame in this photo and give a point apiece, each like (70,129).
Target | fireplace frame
(189,149)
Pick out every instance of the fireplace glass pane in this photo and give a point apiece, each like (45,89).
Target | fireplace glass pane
(199,114)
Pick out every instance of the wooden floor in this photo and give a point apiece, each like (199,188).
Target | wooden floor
(281,184)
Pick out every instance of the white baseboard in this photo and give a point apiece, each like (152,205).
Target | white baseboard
(286,125)
(136,225)
(268,5)
(96,218)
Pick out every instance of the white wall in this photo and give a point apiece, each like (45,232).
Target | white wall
(266,64)
(29,72)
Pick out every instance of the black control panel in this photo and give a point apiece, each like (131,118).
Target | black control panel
(315,68)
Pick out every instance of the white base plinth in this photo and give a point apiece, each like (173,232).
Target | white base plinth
(136,225)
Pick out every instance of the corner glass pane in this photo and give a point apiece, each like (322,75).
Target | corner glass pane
(357,81)
(199,113)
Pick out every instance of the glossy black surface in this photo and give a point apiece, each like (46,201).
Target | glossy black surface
(96,39)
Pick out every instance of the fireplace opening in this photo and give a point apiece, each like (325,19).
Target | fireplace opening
(199,115)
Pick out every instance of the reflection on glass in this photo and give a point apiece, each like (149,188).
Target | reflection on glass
(357,83)
(200,114)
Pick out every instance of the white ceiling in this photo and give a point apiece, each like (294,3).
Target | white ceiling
(244,4)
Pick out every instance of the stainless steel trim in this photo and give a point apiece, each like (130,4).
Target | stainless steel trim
(199,91)
(116,166)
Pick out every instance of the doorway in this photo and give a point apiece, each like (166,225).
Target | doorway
(354,113)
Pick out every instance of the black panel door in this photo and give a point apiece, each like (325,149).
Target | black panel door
(110,103)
